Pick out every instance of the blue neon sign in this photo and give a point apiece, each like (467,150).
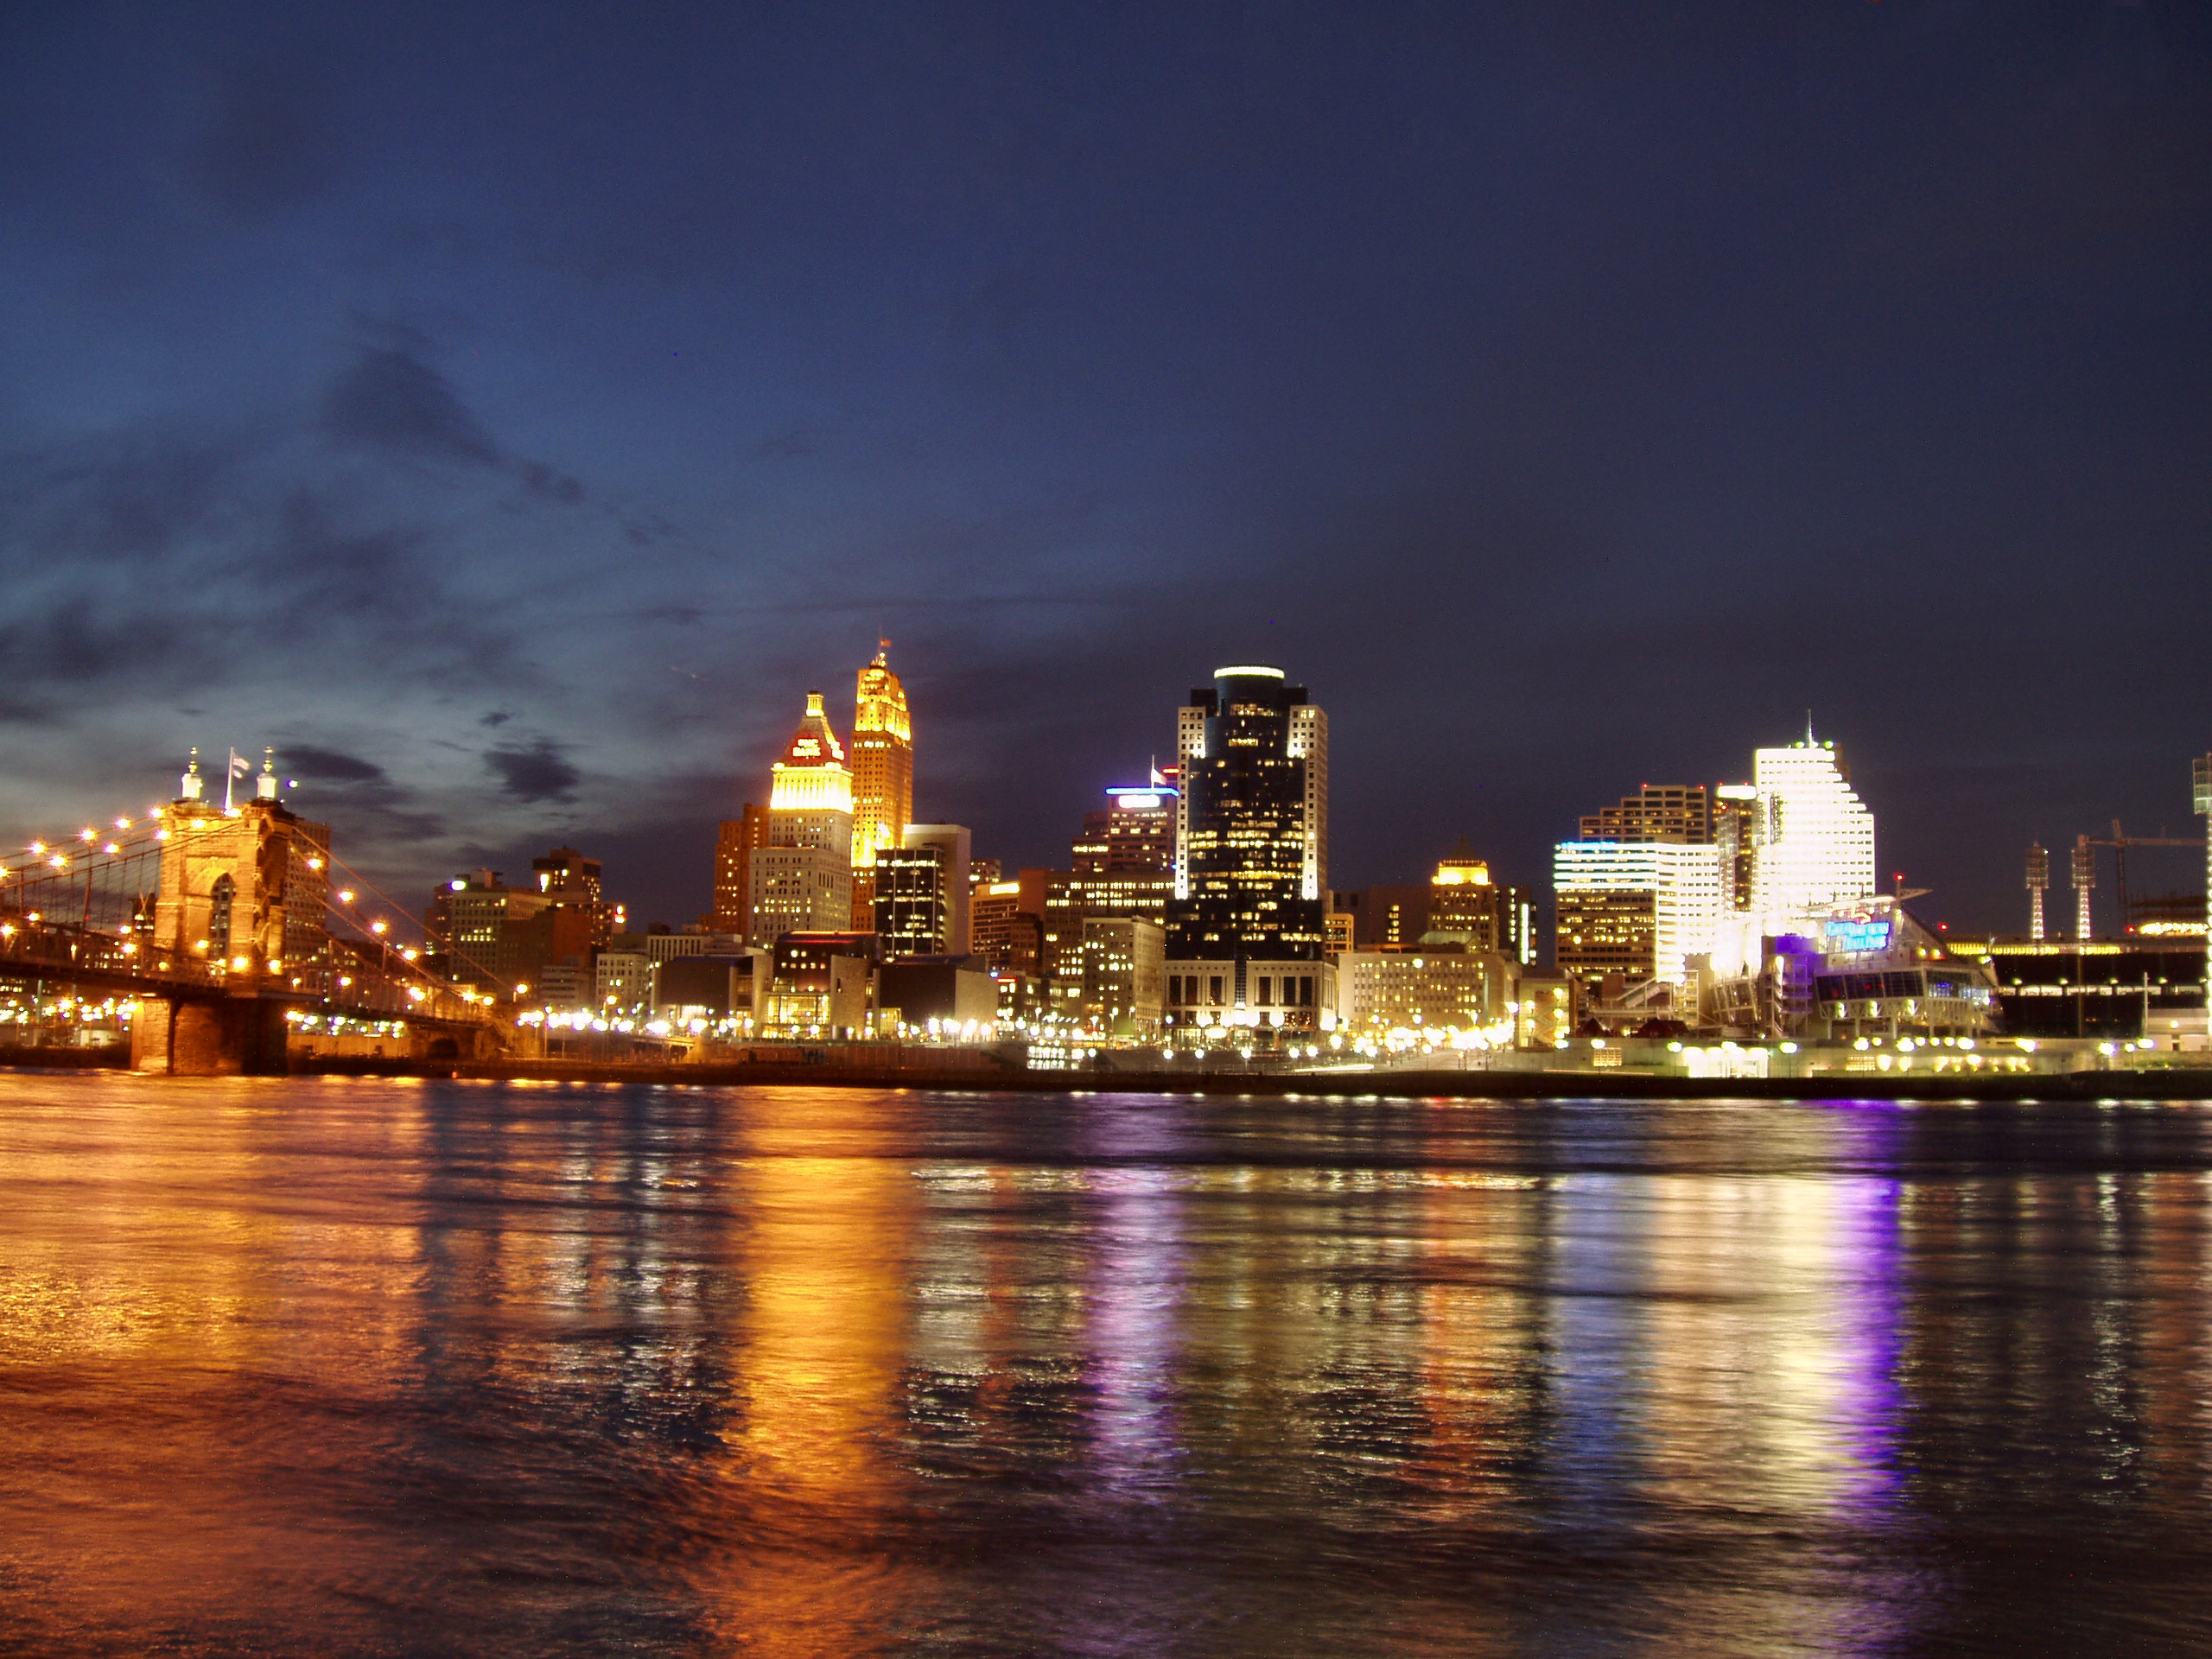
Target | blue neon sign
(1857,939)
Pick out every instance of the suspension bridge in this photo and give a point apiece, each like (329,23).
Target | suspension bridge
(220,931)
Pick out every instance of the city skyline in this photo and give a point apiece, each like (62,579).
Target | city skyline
(1579,397)
(661,861)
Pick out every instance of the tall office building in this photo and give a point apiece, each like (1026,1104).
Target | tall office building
(1119,869)
(1655,812)
(569,880)
(1007,925)
(1636,908)
(1621,909)
(1466,907)
(502,938)
(1734,812)
(1251,864)
(735,843)
(801,881)
(1135,830)
(953,845)
(1247,923)
(913,914)
(883,772)
(1813,838)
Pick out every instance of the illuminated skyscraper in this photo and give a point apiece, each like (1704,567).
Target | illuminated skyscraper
(1136,831)
(953,846)
(1734,809)
(1466,907)
(1636,908)
(801,881)
(567,878)
(1813,838)
(1655,812)
(1251,866)
(883,773)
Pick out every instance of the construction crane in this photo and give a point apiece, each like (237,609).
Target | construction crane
(2119,842)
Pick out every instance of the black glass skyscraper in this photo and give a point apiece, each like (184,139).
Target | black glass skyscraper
(1251,835)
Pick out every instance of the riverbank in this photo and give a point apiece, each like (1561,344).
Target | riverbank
(2166,1082)
(2173,1083)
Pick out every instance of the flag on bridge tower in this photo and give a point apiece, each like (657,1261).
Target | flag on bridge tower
(240,767)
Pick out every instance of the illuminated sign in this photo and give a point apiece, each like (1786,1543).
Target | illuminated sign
(1851,938)
(1136,800)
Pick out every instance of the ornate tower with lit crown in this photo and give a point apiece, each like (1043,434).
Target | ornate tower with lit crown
(883,775)
(801,881)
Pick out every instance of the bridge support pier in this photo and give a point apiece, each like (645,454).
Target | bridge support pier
(195,1038)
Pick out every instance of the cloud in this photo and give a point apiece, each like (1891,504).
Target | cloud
(267,143)
(540,772)
(392,400)
(329,765)
(542,480)
(129,495)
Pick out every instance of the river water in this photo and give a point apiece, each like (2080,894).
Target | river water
(340,1367)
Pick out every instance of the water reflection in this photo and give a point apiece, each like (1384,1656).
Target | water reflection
(324,1367)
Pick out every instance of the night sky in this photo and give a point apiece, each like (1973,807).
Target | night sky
(509,412)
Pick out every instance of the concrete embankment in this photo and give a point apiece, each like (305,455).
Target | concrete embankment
(939,1069)
(2175,1082)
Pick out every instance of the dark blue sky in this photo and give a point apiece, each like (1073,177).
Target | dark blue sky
(510,411)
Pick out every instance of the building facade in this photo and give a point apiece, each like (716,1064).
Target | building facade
(1217,996)
(801,881)
(953,845)
(883,772)
(1124,975)
(1655,812)
(1813,837)
(1383,991)
(1251,865)
(1640,909)
(913,911)
(1133,833)
(568,880)
(735,841)
(1007,924)
(502,939)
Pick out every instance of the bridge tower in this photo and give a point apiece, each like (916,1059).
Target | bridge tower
(242,890)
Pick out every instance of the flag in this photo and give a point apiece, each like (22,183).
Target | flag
(239,764)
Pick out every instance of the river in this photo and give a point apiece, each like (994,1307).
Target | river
(366,1367)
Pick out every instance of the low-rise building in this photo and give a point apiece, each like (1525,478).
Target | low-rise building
(1290,995)
(727,984)
(1381,991)
(625,979)
(822,985)
(953,992)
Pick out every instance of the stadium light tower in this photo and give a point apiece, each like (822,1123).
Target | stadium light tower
(2201,799)
(2085,878)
